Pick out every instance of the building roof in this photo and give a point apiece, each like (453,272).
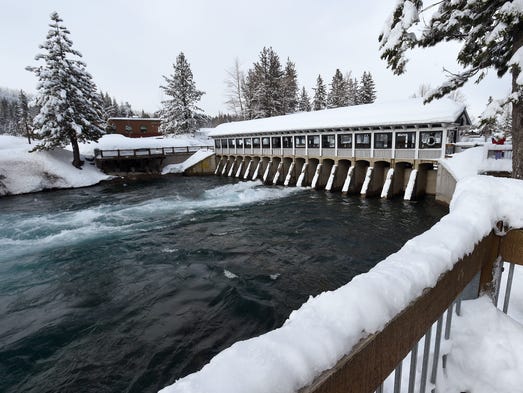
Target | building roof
(402,112)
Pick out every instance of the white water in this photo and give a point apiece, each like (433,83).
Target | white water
(255,175)
(328,187)
(316,176)
(289,175)
(302,175)
(246,175)
(239,172)
(59,229)
(368,177)
(346,184)
(277,175)
(386,185)
(410,185)
(267,170)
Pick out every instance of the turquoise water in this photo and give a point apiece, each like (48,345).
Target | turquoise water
(126,287)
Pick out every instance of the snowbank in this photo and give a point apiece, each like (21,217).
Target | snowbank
(327,326)
(200,155)
(474,161)
(22,172)
(117,141)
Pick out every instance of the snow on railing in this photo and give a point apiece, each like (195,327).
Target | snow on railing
(352,338)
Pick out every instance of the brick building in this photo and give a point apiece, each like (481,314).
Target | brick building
(133,127)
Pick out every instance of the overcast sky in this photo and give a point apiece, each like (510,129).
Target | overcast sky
(129,44)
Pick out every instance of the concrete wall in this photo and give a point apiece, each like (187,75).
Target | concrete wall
(445,185)
(204,167)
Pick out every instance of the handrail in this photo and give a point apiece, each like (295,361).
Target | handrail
(371,361)
(147,152)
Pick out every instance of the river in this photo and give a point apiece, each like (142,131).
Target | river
(128,286)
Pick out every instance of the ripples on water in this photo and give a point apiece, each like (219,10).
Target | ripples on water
(128,287)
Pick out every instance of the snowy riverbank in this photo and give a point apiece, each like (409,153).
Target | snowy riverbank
(23,172)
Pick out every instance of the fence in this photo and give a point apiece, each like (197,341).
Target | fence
(376,357)
(146,152)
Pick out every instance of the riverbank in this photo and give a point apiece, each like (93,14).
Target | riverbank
(22,172)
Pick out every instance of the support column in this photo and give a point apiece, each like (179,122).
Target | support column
(346,184)
(410,185)
(386,185)
(368,177)
(289,175)
(328,187)
(316,176)
(302,175)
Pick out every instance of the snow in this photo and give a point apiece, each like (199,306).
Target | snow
(200,155)
(117,141)
(327,326)
(402,112)
(474,161)
(23,172)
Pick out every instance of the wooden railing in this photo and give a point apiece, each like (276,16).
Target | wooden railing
(377,356)
(499,152)
(146,152)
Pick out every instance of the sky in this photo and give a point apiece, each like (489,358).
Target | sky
(129,45)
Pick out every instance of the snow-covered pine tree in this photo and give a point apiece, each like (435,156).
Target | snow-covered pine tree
(23,116)
(269,89)
(367,91)
(338,94)
(319,101)
(352,89)
(491,33)
(304,104)
(180,114)
(70,106)
(290,88)
(249,96)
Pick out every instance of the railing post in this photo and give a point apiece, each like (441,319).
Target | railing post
(487,283)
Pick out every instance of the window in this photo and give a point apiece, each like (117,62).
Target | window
(299,141)
(328,141)
(143,129)
(287,142)
(256,142)
(383,140)
(247,142)
(224,143)
(313,141)
(231,143)
(217,143)
(345,141)
(362,141)
(430,140)
(266,142)
(405,140)
(276,142)
(128,129)
(239,142)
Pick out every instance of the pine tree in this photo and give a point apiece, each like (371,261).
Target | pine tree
(268,89)
(290,88)
(338,94)
(352,90)
(492,36)
(367,91)
(252,108)
(180,114)
(70,106)
(304,104)
(23,116)
(319,101)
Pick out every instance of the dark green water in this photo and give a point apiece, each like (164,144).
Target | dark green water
(126,288)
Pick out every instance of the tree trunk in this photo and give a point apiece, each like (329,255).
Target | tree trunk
(517,121)
(76,153)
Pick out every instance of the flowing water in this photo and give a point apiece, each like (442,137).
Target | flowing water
(128,287)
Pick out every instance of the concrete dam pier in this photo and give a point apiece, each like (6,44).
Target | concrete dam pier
(373,150)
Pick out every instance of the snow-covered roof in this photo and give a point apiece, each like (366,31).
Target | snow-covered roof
(402,112)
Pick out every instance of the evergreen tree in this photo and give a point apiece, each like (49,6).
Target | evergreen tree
(290,88)
(24,116)
(304,104)
(249,92)
(268,79)
(319,101)
(179,113)
(367,91)
(492,36)
(352,90)
(338,94)
(70,106)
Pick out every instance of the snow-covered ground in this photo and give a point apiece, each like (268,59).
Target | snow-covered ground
(327,326)
(23,172)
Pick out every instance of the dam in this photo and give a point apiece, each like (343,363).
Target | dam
(383,149)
